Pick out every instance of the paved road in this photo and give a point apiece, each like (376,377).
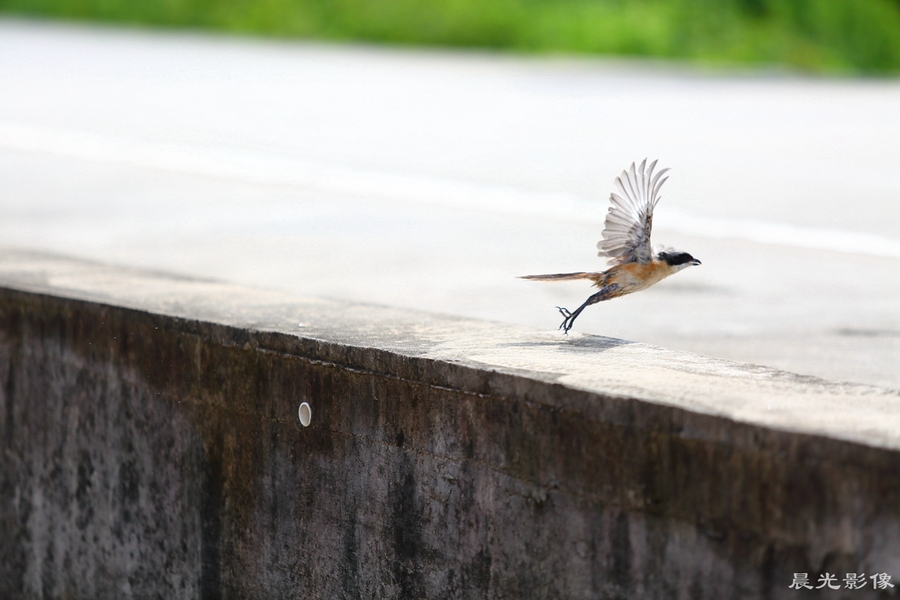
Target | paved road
(429,180)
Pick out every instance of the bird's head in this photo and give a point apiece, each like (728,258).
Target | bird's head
(677,260)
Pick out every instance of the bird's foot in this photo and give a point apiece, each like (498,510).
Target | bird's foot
(567,319)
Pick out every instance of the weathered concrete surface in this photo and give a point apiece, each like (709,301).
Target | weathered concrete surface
(151,448)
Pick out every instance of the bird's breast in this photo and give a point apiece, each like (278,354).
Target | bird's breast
(633,277)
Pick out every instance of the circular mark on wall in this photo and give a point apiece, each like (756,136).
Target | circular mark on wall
(305,414)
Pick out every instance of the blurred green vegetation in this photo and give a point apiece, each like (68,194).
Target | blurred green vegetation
(856,36)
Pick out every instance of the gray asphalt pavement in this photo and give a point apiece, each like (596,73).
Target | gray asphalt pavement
(429,180)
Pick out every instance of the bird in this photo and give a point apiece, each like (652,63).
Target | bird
(633,264)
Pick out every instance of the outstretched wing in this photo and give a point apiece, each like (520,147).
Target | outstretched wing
(626,235)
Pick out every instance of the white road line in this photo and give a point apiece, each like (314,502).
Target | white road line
(433,191)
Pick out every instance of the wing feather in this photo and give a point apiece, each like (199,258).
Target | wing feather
(626,232)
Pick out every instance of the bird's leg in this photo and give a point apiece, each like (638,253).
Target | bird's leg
(569,317)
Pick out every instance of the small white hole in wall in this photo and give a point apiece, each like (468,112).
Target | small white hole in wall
(305,414)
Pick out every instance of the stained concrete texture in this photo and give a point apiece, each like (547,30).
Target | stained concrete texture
(430,180)
(152,448)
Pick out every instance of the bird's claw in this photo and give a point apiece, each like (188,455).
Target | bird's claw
(566,324)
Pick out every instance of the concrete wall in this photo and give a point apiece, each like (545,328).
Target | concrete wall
(152,449)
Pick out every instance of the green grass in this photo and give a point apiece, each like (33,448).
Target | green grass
(844,36)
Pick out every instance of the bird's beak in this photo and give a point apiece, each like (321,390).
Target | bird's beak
(696,262)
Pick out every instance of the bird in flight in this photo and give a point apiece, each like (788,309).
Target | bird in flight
(634,266)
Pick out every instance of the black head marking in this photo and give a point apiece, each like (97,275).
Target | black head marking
(674,257)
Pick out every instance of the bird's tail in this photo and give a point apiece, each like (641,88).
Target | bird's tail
(562,276)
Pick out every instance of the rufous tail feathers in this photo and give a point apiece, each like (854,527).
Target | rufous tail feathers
(561,276)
